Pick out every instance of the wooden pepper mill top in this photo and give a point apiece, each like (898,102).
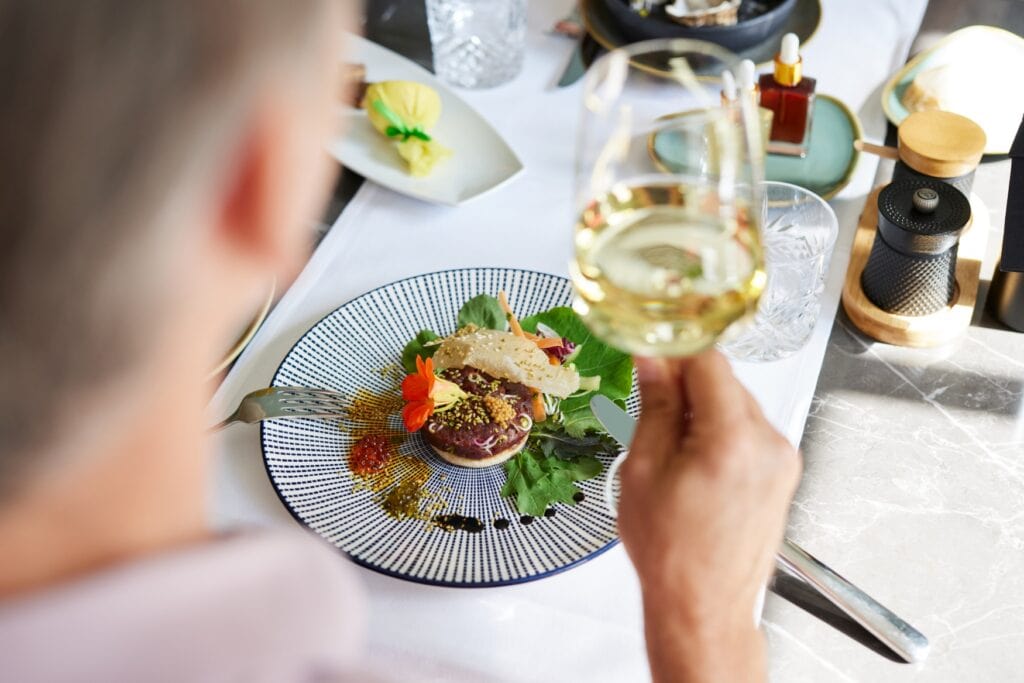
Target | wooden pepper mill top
(940,144)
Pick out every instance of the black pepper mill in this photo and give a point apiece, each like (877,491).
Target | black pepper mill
(912,267)
(1006,296)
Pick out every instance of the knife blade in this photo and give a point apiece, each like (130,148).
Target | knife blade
(878,620)
(616,421)
(582,57)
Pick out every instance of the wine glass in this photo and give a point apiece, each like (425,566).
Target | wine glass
(668,182)
(667,249)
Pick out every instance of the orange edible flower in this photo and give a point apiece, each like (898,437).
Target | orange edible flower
(425,392)
(415,414)
(416,387)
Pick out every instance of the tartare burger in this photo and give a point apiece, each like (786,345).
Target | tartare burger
(478,397)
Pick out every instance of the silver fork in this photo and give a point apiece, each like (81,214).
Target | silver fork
(286,402)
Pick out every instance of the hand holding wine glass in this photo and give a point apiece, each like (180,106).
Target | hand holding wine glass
(667,258)
(704,505)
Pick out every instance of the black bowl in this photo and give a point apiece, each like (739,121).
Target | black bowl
(758,21)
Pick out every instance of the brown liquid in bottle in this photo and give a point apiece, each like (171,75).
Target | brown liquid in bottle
(791,105)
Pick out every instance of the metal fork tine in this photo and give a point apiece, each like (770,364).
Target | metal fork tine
(319,398)
(299,392)
(289,402)
(310,412)
(319,410)
(324,402)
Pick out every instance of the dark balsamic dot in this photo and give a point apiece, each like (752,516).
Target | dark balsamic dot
(550,512)
(460,522)
(526,519)
(501,524)
(578,496)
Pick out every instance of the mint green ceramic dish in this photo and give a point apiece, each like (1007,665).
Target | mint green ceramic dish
(825,170)
(830,159)
(987,45)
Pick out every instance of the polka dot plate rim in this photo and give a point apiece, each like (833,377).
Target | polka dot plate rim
(306,460)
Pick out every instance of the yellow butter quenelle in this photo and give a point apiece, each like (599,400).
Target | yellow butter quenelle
(405,111)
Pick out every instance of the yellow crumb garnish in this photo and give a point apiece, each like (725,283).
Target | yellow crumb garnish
(500,411)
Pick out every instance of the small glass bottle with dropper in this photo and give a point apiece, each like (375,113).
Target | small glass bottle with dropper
(790,96)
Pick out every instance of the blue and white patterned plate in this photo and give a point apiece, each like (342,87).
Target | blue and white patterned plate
(308,465)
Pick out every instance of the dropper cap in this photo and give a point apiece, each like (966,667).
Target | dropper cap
(746,79)
(728,87)
(789,63)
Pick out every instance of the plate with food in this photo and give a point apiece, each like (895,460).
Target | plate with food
(963,73)
(613,26)
(468,454)
(407,131)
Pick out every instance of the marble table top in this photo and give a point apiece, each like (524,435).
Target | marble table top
(914,488)
(918,459)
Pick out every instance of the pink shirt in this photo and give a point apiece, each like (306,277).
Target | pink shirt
(259,606)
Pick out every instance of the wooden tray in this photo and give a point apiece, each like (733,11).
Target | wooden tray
(936,328)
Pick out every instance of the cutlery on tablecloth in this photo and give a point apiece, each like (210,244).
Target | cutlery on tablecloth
(882,623)
(286,402)
(586,50)
(582,57)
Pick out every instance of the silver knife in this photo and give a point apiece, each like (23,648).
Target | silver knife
(575,68)
(882,623)
(582,57)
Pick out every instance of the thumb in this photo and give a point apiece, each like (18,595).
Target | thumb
(662,405)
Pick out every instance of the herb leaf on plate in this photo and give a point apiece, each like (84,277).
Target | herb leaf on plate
(556,441)
(593,358)
(536,480)
(418,347)
(483,311)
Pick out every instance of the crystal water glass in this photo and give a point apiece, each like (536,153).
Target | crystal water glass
(798,235)
(477,43)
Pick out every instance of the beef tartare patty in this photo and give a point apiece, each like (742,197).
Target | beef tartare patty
(487,427)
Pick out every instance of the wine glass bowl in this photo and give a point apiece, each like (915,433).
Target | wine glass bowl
(665,258)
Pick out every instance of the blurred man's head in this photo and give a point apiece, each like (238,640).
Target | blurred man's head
(161,161)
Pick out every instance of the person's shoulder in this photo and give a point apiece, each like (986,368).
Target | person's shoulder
(272,551)
(227,608)
(290,573)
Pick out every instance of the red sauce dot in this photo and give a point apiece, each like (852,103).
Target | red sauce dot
(370,454)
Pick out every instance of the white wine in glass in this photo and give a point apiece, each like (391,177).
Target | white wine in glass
(667,256)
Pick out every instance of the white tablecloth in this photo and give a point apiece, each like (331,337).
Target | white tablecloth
(584,624)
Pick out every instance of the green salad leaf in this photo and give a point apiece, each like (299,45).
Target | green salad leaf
(593,358)
(555,440)
(418,347)
(537,480)
(483,311)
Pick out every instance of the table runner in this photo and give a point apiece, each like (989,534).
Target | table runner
(585,623)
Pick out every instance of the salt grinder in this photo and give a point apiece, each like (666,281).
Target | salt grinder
(912,267)
(939,145)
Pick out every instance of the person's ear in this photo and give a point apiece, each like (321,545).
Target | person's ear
(264,209)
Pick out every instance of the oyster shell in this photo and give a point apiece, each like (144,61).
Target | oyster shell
(704,12)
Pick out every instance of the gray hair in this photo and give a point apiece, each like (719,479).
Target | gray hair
(111,111)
